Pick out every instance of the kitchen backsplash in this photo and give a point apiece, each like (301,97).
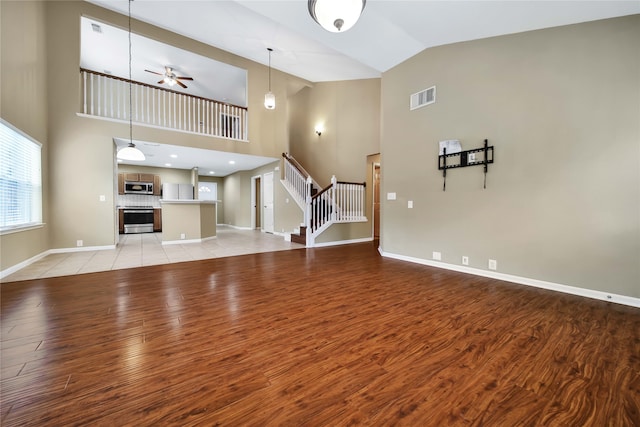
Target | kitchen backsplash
(138,200)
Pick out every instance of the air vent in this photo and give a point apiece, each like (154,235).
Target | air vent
(422,98)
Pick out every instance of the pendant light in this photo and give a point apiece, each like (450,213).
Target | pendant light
(269,98)
(130,152)
(336,15)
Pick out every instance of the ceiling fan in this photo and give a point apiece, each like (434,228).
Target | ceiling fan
(170,77)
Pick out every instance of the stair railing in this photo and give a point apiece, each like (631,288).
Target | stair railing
(296,179)
(340,202)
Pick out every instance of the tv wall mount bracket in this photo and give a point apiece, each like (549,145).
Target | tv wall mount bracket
(465,158)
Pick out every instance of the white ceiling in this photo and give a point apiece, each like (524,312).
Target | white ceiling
(207,161)
(107,51)
(388,33)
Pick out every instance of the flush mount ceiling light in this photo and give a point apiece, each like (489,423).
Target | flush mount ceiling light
(269,97)
(336,16)
(130,152)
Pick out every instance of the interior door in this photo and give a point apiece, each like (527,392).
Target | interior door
(257,204)
(376,201)
(267,199)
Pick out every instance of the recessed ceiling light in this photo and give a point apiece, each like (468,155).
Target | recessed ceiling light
(173,156)
(211,173)
(167,164)
(232,162)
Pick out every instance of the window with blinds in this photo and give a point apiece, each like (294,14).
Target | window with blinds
(20,179)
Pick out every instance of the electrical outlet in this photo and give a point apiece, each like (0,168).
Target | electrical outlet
(102,198)
(493,264)
(471,157)
(465,260)
(183,236)
(391,196)
(437,256)
(79,243)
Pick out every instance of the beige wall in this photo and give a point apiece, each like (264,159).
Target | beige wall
(83,146)
(237,200)
(181,176)
(23,103)
(350,113)
(194,220)
(220,182)
(562,108)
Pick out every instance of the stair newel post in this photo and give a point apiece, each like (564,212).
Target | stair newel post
(307,209)
(333,206)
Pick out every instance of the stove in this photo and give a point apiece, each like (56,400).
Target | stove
(138,219)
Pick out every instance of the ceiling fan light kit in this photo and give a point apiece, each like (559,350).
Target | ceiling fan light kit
(336,16)
(269,97)
(170,78)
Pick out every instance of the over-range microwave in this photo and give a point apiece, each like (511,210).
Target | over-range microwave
(138,187)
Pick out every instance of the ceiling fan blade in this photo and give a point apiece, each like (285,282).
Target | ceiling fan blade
(161,81)
(184,78)
(181,84)
(153,72)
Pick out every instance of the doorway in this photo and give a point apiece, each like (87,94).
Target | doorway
(267,199)
(256,202)
(376,201)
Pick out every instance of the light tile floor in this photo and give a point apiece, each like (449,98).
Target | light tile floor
(136,250)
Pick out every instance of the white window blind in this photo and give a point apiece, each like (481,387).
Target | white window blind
(20,179)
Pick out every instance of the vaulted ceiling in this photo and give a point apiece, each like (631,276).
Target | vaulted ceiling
(388,33)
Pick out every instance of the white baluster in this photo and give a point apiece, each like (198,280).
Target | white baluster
(84,92)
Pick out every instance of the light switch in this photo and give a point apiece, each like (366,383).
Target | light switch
(391,196)
(410,204)
(103,198)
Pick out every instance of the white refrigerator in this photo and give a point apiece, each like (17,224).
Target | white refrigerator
(173,191)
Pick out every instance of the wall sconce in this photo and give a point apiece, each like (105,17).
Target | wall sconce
(319,129)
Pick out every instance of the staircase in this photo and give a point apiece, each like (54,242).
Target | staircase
(339,202)
(301,237)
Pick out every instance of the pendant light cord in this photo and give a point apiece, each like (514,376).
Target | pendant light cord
(270,50)
(130,83)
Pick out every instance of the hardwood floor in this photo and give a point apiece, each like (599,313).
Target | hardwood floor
(319,337)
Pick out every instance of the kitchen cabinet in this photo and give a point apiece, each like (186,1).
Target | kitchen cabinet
(157,185)
(120,183)
(121,221)
(146,177)
(139,177)
(157,219)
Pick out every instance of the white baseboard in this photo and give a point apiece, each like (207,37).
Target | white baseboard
(235,226)
(343,242)
(186,241)
(81,249)
(589,293)
(25,263)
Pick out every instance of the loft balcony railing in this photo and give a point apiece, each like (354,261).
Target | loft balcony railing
(108,96)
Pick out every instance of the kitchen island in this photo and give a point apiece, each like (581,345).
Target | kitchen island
(187,221)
